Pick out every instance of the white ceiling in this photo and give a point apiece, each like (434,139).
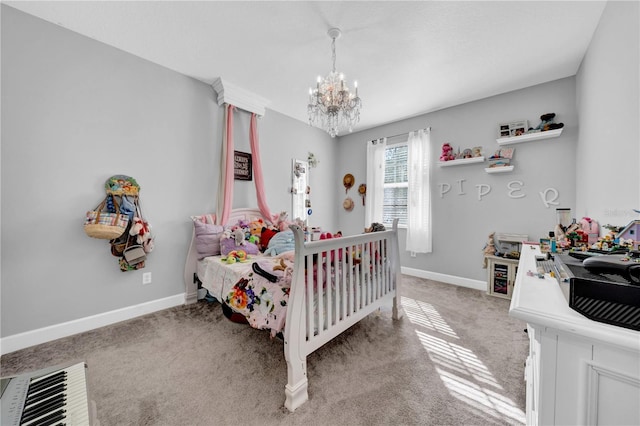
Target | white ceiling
(409,58)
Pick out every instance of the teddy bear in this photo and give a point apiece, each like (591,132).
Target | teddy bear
(255,226)
(142,231)
(546,123)
(447,152)
(489,249)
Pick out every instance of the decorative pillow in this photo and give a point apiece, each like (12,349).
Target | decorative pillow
(229,244)
(207,238)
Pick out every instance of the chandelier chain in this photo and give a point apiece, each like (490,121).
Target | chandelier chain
(333,56)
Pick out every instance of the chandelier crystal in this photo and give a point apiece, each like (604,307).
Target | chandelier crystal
(331,105)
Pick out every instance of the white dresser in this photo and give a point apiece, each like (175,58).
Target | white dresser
(579,371)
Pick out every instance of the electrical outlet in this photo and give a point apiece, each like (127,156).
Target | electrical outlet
(146,278)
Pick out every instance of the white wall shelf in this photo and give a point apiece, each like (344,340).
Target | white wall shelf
(500,169)
(461,161)
(529,137)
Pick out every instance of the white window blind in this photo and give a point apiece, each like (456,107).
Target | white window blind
(396,184)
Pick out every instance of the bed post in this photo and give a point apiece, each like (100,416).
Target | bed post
(396,311)
(295,330)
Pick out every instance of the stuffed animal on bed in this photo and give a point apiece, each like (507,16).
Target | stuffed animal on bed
(265,236)
(235,256)
(255,227)
(238,236)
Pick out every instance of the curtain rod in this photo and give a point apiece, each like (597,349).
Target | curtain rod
(402,134)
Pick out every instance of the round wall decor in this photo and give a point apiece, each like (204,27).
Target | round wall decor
(348,204)
(348,180)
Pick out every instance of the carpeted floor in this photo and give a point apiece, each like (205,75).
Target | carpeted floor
(456,358)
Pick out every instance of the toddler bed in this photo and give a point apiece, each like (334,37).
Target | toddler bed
(313,294)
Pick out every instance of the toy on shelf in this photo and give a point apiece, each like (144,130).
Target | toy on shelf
(447,152)
(489,249)
(546,123)
(501,158)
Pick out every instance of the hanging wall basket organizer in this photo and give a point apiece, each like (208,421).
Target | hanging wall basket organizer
(132,240)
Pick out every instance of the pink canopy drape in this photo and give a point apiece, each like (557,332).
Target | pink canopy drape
(257,169)
(225,202)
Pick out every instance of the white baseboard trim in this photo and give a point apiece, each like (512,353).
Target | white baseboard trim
(35,337)
(47,334)
(449,279)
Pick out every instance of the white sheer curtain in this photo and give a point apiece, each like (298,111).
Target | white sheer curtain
(375,181)
(419,194)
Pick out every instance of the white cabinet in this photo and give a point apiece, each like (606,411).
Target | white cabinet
(579,371)
(501,276)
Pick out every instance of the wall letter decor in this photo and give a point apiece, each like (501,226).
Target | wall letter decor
(545,199)
(460,191)
(512,188)
(444,188)
(483,189)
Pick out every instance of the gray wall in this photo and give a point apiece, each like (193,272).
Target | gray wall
(76,111)
(462,222)
(593,165)
(608,105)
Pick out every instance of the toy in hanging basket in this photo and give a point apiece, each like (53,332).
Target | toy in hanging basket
(104,225)
(122,185)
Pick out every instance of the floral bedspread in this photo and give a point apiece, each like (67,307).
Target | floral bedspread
(261,297)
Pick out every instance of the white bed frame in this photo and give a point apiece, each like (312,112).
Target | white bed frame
(356,290)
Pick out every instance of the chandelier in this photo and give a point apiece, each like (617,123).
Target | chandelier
(331,105)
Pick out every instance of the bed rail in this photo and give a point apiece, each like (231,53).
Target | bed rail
(336,283)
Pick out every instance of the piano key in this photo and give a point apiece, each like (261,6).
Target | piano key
(36,386)
(44,394)
(48,418)
(60,397)
(42,409)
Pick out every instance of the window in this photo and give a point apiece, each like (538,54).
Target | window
(396,184)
